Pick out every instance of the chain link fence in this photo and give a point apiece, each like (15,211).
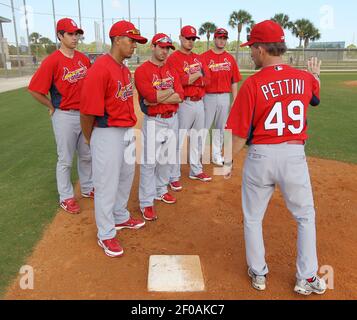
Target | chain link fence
(23,46)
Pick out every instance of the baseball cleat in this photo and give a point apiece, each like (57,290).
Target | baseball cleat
(258,282)
(167,198)
(149,214)
(307,287)
(133,224)
(218,161)
(89,195)
(111,248)
(202,177)
(176,186)
(71,206)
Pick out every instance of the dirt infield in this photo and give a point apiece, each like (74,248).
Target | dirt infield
(351,83)
(207,221)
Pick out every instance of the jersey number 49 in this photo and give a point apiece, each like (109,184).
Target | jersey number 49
(295,113)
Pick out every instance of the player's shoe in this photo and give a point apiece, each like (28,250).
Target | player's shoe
(218,161)
(307,287)
(258,282)
(149,214)
(89,195)
(71,206)
(202,177)
(176,186)
(111,248)
(167,198)
(133,224)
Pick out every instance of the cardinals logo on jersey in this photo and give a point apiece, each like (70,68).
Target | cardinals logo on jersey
(224,66)
(162,84)
(125,91)
(76,75)
(193,68)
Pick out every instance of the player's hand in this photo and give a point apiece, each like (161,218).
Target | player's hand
(51,111)
(314,66)
(228,171)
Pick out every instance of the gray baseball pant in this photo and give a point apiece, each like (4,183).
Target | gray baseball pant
(217,107)
(113,154)
(266,167)
(69,139)
(192,122)
(158,158)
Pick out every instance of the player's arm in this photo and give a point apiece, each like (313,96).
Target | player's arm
(206,75)
(240,122)
(194,77)
(146,90)
(44,100)
(314,67)
(41,83)
(93,100)
(179,93)
(87,124)
(235,90)
(236,78)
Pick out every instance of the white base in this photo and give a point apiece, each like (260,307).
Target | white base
(175,274)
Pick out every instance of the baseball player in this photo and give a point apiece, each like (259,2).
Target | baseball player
(160,92)
(225,76)
(108,118)
(194,76)
(270,114)
(62,74)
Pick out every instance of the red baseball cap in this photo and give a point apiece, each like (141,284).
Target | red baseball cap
(267,31)
(163,40)
(68,25)
(126,29)
(189,32)
(221,32)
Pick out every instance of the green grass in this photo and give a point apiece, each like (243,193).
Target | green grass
(28,195)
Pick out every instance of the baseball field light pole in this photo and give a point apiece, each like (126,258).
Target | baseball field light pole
(80,17)
(103,26)
(27,29)
(54,21)
(155,18)
(129,9)
(16,38)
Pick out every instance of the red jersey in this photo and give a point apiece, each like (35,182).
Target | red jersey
(63,78)
(187,64)
(150,78)
(224,71)
(272,105)
(108,94)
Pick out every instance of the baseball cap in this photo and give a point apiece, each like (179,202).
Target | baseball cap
(221,32)
(68,25)
(162,40)
(267,31)
(126,29)
(189,32)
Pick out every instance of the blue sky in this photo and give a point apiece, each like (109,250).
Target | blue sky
(335,19)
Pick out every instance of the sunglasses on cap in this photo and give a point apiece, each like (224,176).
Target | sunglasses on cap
(222,34)
(164,40)
(191,39)
(134,32)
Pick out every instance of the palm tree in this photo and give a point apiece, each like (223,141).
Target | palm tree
(312,34)
(238,20)
(284,20)
(300,29)
(35,37)
(208,28)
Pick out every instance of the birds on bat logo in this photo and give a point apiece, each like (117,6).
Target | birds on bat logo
(162,84)
(224,66)
(125,91)
(192,68)
(75,75)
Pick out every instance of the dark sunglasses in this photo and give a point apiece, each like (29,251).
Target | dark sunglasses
(191,39)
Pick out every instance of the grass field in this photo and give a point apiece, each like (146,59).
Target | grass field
(28,158)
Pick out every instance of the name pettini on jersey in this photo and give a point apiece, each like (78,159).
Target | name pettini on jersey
(284,87)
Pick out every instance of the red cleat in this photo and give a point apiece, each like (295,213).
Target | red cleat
(71,206)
